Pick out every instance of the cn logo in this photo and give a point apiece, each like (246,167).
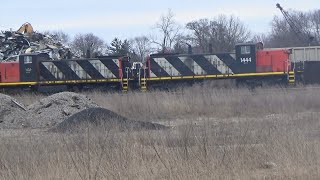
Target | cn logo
(245,60)
(28,70)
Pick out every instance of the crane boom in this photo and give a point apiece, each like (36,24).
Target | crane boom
(296,27)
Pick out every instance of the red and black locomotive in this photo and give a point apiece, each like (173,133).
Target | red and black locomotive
(248,63)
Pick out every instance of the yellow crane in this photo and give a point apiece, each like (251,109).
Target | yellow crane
(26,28)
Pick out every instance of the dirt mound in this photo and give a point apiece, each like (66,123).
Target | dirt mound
(54,109)
(103,118)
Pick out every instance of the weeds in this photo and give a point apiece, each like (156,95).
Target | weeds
(216,134)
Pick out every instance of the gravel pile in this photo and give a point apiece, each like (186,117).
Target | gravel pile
(64,112)
(46,112)
(12,113)
(103,118)
(54,109)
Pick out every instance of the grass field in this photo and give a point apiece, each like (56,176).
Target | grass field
(216,133)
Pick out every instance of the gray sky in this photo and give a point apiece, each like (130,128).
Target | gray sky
(128,18)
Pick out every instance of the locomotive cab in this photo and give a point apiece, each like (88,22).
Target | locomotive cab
(252,58)
(246,57)
(29,69)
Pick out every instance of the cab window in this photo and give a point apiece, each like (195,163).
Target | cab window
(245,49)
(27,59)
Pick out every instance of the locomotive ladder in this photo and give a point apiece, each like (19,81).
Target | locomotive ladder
(143,80)
(125,82)
(143,84)
(291,78)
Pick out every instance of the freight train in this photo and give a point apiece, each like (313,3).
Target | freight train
(249,63)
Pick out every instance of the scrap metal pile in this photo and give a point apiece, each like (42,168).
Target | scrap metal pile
(26,40)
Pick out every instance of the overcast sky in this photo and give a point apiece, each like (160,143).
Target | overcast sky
(129,18)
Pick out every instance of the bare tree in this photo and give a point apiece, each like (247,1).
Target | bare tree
(200,33)
(262,37)
(315,24)
(169,30)
(141,46)
(220,34)
(84,45)
(236,31)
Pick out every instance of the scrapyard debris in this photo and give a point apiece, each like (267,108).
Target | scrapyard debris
(26,40)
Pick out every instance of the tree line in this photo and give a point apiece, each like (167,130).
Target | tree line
(219,34)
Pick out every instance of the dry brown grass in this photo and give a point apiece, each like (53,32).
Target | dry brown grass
(217,134)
